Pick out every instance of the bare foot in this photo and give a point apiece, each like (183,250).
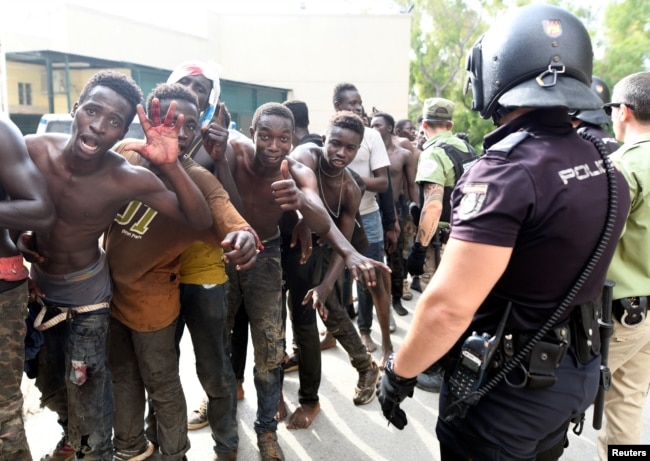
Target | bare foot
(303,416)
(368,342)
(281,414)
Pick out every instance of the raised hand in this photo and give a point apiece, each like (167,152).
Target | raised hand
(285,191)
(161,146)
(215,135)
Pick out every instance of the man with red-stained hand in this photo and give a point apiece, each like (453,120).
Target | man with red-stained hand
(89,184)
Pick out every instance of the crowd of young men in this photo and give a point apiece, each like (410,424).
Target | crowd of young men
(197,227)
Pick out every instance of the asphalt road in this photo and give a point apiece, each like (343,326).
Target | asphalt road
(341,431)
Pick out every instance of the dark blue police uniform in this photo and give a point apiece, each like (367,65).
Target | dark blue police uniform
(536,193)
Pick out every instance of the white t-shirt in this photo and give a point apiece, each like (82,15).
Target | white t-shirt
(372,155)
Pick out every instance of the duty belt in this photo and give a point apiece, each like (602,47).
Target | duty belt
(631,312)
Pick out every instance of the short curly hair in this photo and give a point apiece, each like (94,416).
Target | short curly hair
(121,83)
(347,119)
(273,108)
(173,91)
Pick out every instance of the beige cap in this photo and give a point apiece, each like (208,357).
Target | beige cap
(438,109)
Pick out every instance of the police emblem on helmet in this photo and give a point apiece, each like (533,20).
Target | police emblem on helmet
(552,27)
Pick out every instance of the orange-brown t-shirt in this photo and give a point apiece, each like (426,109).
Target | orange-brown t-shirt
(144,249)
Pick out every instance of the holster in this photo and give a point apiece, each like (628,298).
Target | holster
(545,356)
(585,329)
(630,312)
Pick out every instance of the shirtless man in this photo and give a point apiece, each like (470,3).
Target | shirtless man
(404,128)
(406,136)
(89,184)
(371,163)
(403,166)
(319,279)
(24,204)
(269,184)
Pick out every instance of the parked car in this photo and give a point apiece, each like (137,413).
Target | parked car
(61,123)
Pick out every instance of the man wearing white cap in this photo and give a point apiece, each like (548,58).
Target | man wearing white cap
(203,284)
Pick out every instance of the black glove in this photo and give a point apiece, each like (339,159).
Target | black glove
(391,391)
(417,257)
(414,211)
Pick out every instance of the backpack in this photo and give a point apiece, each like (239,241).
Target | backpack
(462,161)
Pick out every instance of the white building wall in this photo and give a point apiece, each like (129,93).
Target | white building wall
(306,54)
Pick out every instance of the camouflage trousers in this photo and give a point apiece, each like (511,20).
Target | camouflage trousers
(13,311)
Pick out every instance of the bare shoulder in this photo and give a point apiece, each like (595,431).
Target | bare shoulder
(42,144)
(13,144)
(241,152)
(403,142)
(242,145)
(406,144)
(307,154)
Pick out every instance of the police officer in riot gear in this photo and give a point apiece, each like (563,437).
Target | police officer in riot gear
(596,122)
(534,226)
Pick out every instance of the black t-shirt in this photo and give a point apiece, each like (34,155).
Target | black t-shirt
(546,199)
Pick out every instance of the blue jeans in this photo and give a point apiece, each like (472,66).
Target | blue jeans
(375,233)
(13,310)
(75,381)
(258,290)
(204,311)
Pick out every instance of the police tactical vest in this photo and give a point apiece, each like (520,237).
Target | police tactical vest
(462,161)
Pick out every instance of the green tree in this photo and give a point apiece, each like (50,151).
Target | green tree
(626,42)
(442,33)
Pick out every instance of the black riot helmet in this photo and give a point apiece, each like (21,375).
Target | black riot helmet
(599,87)
(535,56)
(597,116)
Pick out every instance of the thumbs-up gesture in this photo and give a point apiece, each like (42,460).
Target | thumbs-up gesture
(215,135)
(285,191)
